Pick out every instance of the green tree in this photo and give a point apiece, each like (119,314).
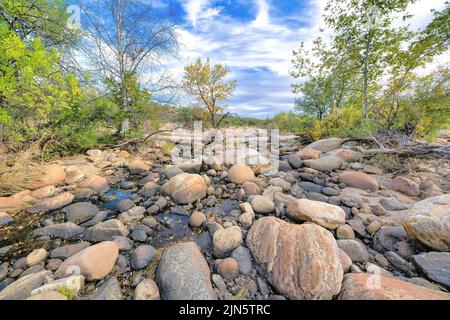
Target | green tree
(206,82)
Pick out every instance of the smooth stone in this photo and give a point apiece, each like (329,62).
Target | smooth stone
(244,259)
(80,212)
(428,223)
(105,231)
(434,266)
(300,261)
(21,288)
(262,204)
(359,180)
(94,262)
(226,240)
(364,286)
(240,173)
(185,188)
(354,249)
(36,257)
(109,290)
(66,231)
(52,203)
(146,290)
(141,256)
(183,274)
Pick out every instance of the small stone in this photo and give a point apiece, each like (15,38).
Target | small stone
(345,232)
(69,250)
(5,219)
(197,219)
(36,257)
(346,262)
(141,257)
(125,205)
(109,290)
(244,259)
(226,240)
(53,203)
(146,290)
(373,227)
(228,268)
(354,249)
(262,204)
(240,173)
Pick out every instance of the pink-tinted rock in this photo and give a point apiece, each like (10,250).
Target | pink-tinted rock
(360,180)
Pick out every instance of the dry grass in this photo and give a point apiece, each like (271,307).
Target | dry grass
(16,171)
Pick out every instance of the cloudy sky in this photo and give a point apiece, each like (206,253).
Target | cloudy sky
(255,38)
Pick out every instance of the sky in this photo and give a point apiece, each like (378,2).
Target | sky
(255,39)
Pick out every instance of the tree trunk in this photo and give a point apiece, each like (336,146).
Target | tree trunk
(366,75)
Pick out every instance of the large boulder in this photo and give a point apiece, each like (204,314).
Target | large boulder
(360,180)
(240,173)
(300,261)
(428,224)
(185,188)
(21,289)
(183,274)
(52,203)
(94,262)
(323,214)
(325,145)
(48,175)
(325,163)
(434,266)
(364,286)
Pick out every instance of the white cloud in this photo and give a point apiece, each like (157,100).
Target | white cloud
(262,18)
(195,10)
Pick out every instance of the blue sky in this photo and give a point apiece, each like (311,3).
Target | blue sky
(255,38)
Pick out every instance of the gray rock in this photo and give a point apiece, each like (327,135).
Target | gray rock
(104,231)
(21,289)
(3,270)
(305,176)
(351,198)
(52,203)
(66,231)
(80,212)
(242,255)
(386,238)
(109,290)
(434,266)
(356,251)
(69,250)
(295,161)
(310,187)
(32,270)
(325,163)
(125,205)
(331,192)
(5,219)
(317,196)
(400,263)
(141,257)
(392,204)
(284,166)
(183,274)
(123,243)
(138,235)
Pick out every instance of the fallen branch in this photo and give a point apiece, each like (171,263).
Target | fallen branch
(138,140)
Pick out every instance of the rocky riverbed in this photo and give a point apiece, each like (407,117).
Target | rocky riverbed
(330,224)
